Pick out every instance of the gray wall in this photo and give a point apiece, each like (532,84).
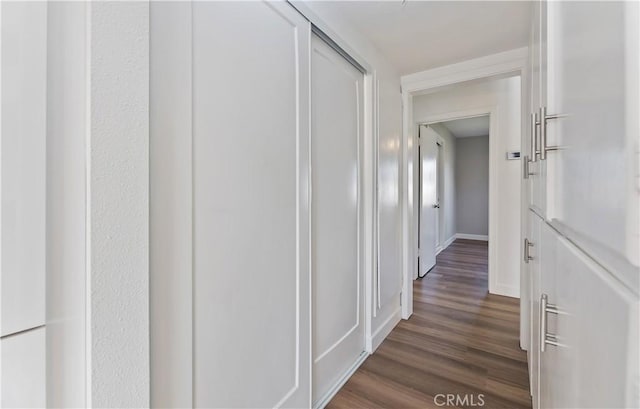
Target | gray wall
(472,185)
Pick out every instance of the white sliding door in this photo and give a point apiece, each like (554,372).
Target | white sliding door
(336,135)
(250,205)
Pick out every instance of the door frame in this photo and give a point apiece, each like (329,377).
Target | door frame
(504,64)
(492,112)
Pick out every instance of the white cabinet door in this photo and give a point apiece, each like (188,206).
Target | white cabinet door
(556,363)
(537,168)
(336,223)
(592,78)
(23,366)
(594,361)
(251,205)
(598,333)
(23,165)
(532,307)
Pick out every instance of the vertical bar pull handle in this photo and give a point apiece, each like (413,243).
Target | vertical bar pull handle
(545,337)
(527,246)
(542,121)
(534,137)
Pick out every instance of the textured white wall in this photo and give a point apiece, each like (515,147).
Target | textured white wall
(118,198)
(504,94)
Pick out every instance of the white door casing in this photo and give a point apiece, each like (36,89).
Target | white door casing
(428,199)
(337,274)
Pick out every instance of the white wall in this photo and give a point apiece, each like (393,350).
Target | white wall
(390,131)
(472,185)
(118,204)
(502,96)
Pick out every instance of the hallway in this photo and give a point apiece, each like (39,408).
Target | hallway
(460,340)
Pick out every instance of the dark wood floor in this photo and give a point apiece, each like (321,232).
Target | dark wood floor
(459,340)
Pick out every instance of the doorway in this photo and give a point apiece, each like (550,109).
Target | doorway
(452,185)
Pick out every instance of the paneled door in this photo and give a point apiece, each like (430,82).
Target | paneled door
(591,134)
(337,286)
(532,252)
(251,342)
(428,199)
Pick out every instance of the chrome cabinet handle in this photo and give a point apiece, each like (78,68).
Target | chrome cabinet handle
(527,245)
(542,122)
(525,171)
(534,137)
(545,337)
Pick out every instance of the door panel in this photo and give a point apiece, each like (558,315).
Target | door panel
(250,205)
(23,165)
(533,275)
(598,315)
(588,177)
(428,199)
(538,167)
(338,313)
(549,381)
(23,369)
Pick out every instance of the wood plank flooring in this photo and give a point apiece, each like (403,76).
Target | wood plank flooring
(459,340)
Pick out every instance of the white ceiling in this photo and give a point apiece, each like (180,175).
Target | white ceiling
(468,127)
(419,35)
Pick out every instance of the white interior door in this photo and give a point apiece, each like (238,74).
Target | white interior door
(337,286)
(251,335)
(428,199)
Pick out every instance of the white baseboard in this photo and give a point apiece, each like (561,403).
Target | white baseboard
(506,290)
(481,237)
(446,244)
(323,401)
(385,329)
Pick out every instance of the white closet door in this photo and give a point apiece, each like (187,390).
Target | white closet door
(251,205)
(336,134)
(23,370)
(23,165)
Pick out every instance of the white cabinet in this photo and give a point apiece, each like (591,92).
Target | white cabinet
(22,380)
(583,195)
(22,165)
(585,126)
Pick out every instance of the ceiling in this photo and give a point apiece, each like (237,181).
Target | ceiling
(420,35)
(468,127)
